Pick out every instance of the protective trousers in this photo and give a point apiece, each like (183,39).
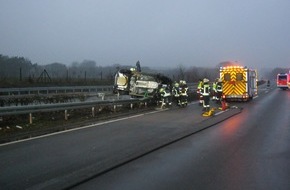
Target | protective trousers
(206,100)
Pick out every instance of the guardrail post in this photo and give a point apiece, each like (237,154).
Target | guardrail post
(93,111)
(131,106)
(65,115)
(115,107)
(30,118)
(145,103)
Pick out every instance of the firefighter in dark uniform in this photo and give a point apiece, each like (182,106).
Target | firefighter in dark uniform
(183,93)
(199,87)
(219,90)
(176,93)
(214,90)
(205,92)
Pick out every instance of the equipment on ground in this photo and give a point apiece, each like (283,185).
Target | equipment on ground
(209,113)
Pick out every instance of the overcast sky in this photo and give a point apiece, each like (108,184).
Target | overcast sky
(157,32)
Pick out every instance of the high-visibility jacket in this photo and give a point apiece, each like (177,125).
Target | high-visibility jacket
(205,91)
(183,91)
(214,87)
(219,87)
(175,91)
(200,84)
(164,92)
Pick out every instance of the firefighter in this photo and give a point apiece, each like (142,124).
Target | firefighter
(199,87)
(219,91)
(214,89)
(205,91)
(183,93)
(268,83)
(176,93)
(165,95)
(161,94)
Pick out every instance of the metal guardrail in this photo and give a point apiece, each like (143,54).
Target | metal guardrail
(17,110)
(29,109)
(60,90)
(39,95)
(54,90)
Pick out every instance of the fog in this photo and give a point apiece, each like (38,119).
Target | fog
(159,33)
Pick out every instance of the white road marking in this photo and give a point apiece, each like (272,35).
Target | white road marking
(87,126)
(79,128)
(220,112)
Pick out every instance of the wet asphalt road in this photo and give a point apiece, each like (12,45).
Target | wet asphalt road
(248,151)
(60,160)
(243,146)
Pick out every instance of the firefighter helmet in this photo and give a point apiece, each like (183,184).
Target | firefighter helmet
(176,84)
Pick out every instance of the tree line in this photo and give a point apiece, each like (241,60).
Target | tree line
(22,68)
(20,71)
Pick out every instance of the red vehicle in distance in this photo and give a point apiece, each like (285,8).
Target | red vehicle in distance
(283,81)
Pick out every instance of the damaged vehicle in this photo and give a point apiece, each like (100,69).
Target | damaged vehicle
(135,83)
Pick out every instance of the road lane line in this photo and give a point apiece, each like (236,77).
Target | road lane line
(87,126)
(220,112)
(79,128)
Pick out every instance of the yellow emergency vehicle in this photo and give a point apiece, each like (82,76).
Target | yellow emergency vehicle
(239,83)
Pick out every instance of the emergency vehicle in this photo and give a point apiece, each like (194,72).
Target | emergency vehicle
(239,83)
(283,81)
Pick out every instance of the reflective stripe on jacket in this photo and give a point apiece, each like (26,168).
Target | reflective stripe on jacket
(205,90)
(219,87)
